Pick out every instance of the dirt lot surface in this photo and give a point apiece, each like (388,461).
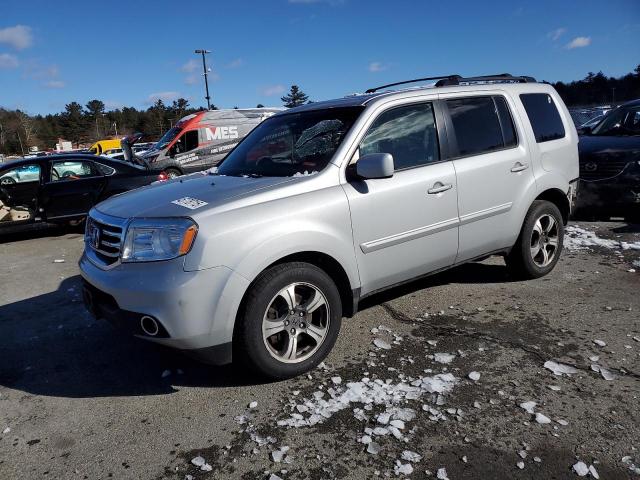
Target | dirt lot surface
(79,400)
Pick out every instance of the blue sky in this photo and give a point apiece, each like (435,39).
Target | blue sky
(130,53)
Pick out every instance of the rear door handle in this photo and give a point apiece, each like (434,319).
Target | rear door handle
(439,187)
(519,167)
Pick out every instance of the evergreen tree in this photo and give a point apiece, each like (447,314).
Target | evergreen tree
(73,122)
(295,97)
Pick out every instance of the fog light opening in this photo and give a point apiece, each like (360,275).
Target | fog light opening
(149,326)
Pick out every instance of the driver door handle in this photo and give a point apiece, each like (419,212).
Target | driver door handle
(439,187)
(519,167)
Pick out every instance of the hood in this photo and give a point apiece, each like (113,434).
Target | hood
(156,200)
(595,147)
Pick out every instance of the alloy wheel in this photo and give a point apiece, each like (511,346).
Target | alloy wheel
(296,322)
(544,240)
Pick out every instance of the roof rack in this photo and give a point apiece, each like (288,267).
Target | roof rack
(450,80)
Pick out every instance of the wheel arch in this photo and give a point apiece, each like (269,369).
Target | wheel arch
(559,199)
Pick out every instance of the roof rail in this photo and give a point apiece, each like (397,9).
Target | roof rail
(440,77)
(450,80)
(499,78)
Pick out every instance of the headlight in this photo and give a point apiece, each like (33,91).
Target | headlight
(148,240)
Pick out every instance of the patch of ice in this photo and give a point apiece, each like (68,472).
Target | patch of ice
(442,474)
(475,376)
(6,430)
(380,343)
(559,368)
(198,461)
(376,392)
(410,456)
(443,357)
(606,373)
(402,468)
(600,343)
(528,407)
(520,465)
(578,238)
(336,380)
(253,404)
(278,455)
(273,476)
(373,448)
(593,472)
(581,469)
(542,419)
(555,388)
(59,260)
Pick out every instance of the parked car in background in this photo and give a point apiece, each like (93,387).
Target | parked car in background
(328,203)
(199,141)
(101,146)
(610,165)
(63,188)
(591,123)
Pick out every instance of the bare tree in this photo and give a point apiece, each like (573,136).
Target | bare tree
(27,126)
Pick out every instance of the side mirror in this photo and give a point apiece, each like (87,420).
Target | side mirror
(375,165)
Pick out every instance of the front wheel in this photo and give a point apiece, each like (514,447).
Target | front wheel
(289,321)
(540,242)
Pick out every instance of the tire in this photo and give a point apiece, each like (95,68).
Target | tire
(266,309)
(537,236)
(172,172)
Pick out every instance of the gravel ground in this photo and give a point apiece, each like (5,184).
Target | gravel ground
(78,400)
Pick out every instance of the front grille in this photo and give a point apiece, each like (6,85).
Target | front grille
(104,237)
(592,170)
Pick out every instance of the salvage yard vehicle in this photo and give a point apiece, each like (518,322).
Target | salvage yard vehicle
(328,203)
(62,188)
(201,140)
(610,165)
(101,146)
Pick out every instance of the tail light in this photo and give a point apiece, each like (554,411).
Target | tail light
(163,177)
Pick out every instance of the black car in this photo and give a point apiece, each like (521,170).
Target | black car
(610,165)
(62,188)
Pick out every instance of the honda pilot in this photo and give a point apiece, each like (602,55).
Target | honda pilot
(328,203)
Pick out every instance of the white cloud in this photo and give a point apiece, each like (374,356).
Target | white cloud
(164,96)
(54,84)
(190,66)
(272,90)
(8,61)
(238,62)
(578,42)
(377,67)
(19,37)
(192,79)
(557,33)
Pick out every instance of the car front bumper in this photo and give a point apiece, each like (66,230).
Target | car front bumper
(195,310)
(618,195)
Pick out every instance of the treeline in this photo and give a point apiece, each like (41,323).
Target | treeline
(598,89)
(85,124)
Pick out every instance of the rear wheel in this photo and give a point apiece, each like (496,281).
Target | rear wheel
(172,173)
(539,245)
(289,321)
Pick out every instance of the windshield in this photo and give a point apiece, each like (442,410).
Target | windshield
(167,138)
(291,144)
(621,121)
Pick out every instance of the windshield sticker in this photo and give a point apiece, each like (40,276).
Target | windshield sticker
(190,203)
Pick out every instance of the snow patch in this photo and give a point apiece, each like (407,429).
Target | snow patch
(559,368)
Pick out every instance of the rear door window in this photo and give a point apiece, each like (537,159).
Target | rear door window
(478,126)
(544,116)
(73,170)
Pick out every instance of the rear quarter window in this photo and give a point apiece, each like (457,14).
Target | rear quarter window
(544,116)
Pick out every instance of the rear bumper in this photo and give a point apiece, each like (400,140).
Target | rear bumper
(195,311)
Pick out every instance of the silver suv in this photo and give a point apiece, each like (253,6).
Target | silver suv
(328,203)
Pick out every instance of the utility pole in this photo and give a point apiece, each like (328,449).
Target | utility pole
(206,73)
